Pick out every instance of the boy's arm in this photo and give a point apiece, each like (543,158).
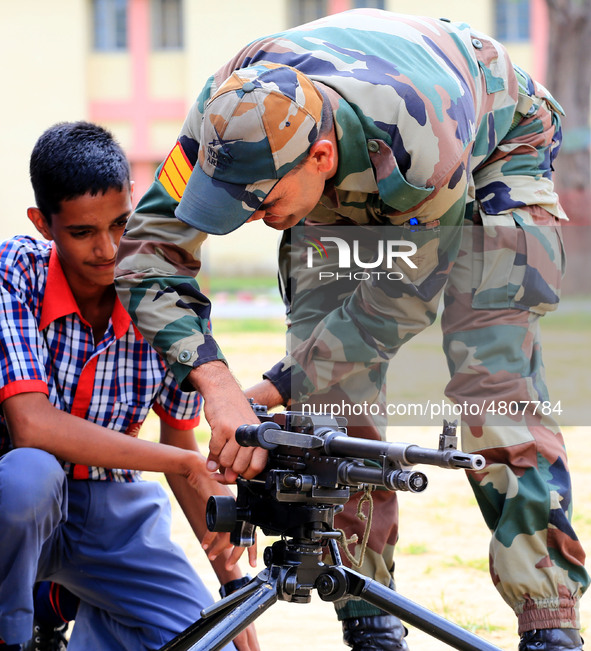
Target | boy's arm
(193,500)
(33,422)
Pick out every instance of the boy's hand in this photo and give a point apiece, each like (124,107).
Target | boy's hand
(216,542)
(247,640)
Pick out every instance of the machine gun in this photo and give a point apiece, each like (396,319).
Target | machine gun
(312,469)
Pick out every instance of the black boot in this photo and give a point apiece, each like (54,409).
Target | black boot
(375,633)
(551,639)
(47,638)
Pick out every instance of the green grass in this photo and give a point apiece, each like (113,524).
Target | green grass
(247,325)
(479,564)
(456,613)
(414,549)
(235,284)
(571,316)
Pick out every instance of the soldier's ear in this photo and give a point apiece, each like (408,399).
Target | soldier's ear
(324,154)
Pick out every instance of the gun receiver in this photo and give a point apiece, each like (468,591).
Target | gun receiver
(312,468)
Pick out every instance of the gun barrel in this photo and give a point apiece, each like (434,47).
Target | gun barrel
(339,444)
(444,458)
(353,473)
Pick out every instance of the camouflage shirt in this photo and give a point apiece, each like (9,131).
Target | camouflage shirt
(420,107)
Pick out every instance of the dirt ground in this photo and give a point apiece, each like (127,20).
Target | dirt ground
(442,555)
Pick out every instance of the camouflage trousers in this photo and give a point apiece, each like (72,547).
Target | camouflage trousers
(306,305)
(491,326)
(505,277)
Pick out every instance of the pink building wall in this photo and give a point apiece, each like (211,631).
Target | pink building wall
(140,109)
(539,37)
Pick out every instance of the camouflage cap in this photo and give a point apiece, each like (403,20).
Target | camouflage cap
(256,128)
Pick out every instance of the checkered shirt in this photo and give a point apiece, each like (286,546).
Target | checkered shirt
(46,346)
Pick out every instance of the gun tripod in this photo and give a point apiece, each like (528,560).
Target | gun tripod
(294,568)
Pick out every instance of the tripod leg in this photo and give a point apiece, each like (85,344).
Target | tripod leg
(222,622)
(394,603)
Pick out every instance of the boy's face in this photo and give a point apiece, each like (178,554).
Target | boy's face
(86,232)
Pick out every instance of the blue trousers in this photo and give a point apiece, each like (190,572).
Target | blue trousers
(107,542)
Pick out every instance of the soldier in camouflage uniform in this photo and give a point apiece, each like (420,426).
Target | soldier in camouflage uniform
(377,120)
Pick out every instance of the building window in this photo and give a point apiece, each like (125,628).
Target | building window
(110,25)
(512,20)
(304,11)
(369,4)
(167,24)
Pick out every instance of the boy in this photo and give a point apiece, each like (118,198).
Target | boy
(76,382)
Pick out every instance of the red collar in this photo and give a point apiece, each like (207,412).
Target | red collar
(58,300)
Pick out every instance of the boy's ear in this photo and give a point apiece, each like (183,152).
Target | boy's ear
(39,222)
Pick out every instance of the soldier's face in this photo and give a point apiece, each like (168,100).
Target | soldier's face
(292,198)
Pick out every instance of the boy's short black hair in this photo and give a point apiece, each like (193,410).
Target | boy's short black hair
(71,159)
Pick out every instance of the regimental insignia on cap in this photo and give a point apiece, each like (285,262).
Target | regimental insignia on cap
(219,152)
(175,172)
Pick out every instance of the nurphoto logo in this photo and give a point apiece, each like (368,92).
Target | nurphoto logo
(387,255)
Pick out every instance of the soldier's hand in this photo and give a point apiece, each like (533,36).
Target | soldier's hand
(264,393)
(226,408)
